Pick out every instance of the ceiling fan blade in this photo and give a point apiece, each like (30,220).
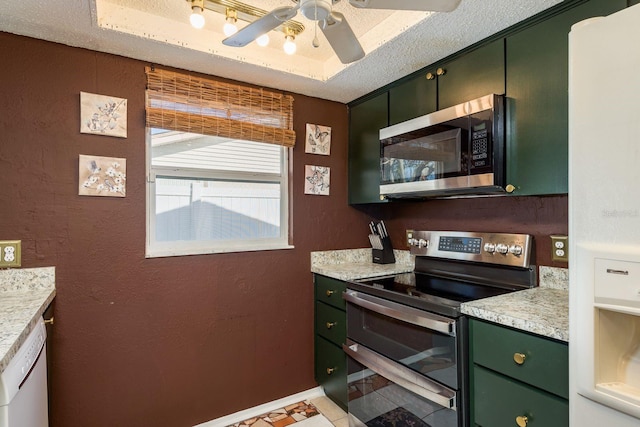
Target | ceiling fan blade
(261,26)
(426,5)
(341,38)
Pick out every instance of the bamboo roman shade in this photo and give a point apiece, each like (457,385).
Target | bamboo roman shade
(186,103)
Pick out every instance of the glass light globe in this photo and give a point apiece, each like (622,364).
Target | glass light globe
(263,40)
(289,46)
(229,28)
(196,18)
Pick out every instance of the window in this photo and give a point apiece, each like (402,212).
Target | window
(209,190)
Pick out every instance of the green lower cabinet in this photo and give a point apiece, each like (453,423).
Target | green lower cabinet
(330,333)
(537,100)
(517,378)
(501,402)
(331,370)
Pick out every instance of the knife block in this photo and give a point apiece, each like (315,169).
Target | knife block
(384,255)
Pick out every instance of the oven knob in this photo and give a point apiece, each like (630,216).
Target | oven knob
(422,243)
(489,247)
(515,250)
(501,248)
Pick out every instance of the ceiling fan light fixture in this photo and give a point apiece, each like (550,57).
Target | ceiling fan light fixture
(263,40)
(289,44)
(197,18)
(230,27)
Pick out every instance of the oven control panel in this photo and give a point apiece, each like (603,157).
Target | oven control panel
(492,248)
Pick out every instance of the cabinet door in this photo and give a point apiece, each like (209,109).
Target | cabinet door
(331,370)
(499,401)
(543,363)
(475,74)
(413,98)
(537,87)
(365,121)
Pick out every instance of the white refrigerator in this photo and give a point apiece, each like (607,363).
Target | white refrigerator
(604,221)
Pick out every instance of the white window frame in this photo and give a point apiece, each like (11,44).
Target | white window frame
(155,248)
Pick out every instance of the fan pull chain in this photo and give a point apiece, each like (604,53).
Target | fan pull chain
(315,42)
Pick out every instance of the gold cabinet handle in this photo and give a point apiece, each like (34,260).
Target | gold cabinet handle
(510,188)
(48,321)
(441,71)
(331,324)
(330,292)
(519,358)
(430,76)
(522,420)
(331,370)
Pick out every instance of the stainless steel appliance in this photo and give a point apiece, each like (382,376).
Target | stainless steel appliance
(455,151)
(407,340)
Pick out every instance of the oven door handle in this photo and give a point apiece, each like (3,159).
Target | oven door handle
(402,312)
(401,375)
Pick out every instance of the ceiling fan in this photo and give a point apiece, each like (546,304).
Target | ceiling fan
(333,24)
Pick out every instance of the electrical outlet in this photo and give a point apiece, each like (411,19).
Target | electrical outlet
(409,237)
(10,253)
(560,248)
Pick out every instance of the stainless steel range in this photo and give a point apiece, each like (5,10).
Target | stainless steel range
(407,341)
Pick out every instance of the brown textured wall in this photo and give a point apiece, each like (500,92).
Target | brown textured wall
(152,342)
(178,341)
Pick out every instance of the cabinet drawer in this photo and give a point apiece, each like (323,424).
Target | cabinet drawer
(330,291)
(331,323)
(499,400)
(331,370)
(546,362)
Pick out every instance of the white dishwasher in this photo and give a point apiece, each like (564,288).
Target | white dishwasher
(23,384)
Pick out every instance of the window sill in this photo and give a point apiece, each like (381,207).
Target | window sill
(170,252)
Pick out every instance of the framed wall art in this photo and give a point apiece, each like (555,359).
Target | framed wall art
(103,115)
(318,140)
(102,176)
(317,180)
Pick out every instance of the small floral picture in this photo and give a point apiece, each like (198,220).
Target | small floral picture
(103,115)
(102,176)
(318,140)
(316,180)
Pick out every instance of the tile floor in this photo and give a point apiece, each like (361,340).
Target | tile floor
(316,412)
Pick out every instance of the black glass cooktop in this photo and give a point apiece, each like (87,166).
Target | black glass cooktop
(438,294)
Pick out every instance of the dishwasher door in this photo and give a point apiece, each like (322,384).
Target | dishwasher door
(23,384)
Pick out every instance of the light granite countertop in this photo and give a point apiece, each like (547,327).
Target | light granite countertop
(24,295)
(350,264)
(543,310)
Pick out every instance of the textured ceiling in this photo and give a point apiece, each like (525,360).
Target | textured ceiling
(158,31)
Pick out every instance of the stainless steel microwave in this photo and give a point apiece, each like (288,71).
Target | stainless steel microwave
(456,151)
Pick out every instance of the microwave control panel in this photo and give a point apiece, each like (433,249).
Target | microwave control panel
(480,148)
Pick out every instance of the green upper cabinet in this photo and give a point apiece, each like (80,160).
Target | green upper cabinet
(414,97)
(476,73)
(537,101)
(365,121)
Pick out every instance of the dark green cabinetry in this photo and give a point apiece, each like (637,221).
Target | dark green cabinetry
(475,74)
(537,103)
(472,75)
(330,334)
(515,375)
(528,63)
(413,98)
(365,121)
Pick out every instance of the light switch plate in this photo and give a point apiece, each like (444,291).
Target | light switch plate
(10,253)
(560,248)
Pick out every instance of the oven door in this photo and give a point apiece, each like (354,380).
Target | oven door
(402,365)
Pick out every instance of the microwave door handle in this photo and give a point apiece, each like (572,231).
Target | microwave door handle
(402,312)
(404,377)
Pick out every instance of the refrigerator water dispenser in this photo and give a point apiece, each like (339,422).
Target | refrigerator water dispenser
(617,332)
